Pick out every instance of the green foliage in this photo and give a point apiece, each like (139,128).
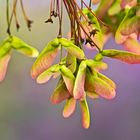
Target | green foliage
(6,48)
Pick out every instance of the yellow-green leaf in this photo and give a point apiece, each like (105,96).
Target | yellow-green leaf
(72,49)
(106,79)
(23,47)
(4,61)
(89,88)
(103,8)
(71,62)
(132,45)
(98,36)
(55,42)
(60,93)
(96,65)
(98,57)
(115,8)
(79,91)
(5,47)
(44,60)
(124,56)
(129,25)
(85,114)
(102,88)
(94,84)
(69,107)
(68,77)
(92,95)
(46,75)
(5,55)
(65,42)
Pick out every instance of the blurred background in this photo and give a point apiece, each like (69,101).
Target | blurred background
(25,110)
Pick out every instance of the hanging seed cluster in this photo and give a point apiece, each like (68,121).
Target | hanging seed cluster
(79,77)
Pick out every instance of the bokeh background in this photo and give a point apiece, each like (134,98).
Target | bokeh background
(25,110)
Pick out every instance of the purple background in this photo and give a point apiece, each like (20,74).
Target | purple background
(26,112)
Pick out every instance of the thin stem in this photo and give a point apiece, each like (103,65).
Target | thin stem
(90,3)
(59,16)
(28,21)
(69,14)
(61,53)
(15,15)
(79,24)
(51,8)
(8,18)
(72,11)
(94,14)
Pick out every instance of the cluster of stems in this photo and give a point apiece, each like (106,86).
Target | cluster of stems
(76,18)
(14,15)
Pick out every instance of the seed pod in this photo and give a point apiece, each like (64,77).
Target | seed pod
(100,86)
(68,78)
(115,8)
(132,45)
(103,88)
(85,114)
(50,72)
(44,60)
(5,47)
(23,47)
(130,20)
(71,62)
(60,93)
(98,57)
(95,29)
(89,82)
(103,8)
(5,55)
(72,49)
(92,95)
(69,107)
(65,42)
(106,79)
(79,91)
(96,65)
(4,61)
(55,42)
(127,57)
